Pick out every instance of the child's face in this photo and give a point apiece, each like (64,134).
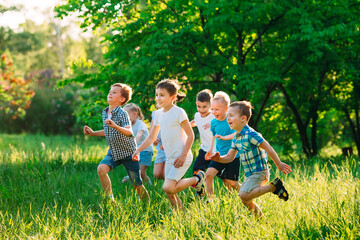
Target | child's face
(235,120)
(114,96)
(163,98)
(203,108)
(218,109)
(132,115)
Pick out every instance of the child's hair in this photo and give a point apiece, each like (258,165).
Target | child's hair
(172,87)
(125,91)
(244,108)
(204,96)
(222,97)
(135,108)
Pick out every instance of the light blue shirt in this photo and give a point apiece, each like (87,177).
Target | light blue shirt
(221,128)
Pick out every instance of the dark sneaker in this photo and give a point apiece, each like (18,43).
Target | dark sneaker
(200,184)
(280,189)
(200,193)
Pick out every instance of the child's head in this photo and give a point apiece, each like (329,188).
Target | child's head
(203,102)
(119,94)
(134,112)
(167,92)
(219,105)
(239,114)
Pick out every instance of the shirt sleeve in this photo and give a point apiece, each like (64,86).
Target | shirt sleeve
(182,116)
(142,126)
(124,119)
(212,127)
(255,138)
(233,145)
(156,118)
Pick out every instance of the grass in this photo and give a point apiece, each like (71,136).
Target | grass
(49,189)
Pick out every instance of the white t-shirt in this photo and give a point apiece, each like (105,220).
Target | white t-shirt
(205,134)
(173,137)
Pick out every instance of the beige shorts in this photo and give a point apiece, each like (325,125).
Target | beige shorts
(255,180)
(174,173)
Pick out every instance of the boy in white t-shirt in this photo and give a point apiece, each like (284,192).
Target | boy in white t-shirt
(202,121)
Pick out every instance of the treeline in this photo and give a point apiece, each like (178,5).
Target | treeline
(296,61)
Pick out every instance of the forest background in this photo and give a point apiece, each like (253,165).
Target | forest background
(297,62)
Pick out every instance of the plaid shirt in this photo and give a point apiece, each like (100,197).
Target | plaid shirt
(253,158)
(121,146)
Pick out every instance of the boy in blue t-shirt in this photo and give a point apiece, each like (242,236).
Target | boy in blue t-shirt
(253,150)
(227,172)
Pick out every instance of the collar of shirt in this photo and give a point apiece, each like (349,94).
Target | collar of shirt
(114,111)
(243,131)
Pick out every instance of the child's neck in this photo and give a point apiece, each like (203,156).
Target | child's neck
(133,122)
(167,108)
(222,118)
(205,115)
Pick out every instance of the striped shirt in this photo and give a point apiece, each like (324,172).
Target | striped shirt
(253,158)
(121,146)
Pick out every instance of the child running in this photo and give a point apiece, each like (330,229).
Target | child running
(177,137)
(253,149)
(227,172)
(202,121)
(140,132)
(119,136)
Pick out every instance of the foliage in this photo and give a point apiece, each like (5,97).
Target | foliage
(50,189)
(15,93)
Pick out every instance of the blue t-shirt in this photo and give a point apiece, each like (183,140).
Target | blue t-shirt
(221,128)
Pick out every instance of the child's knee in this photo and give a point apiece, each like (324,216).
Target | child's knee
(102,169)
(168,189)
(244,197)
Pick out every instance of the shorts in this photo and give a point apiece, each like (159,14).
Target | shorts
(132,167)
(200,162)
(256,179)
(174,173)
(146,158)
(160,156)
(229,170)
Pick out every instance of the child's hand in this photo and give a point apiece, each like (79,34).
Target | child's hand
(206,126)
(215,157)
(208,156)
(179,161)
(156,142)
(136,156)
(219,137)
(88,131)
(110,123)
(284,168)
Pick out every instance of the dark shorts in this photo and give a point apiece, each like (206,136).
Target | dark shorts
(132,167)
(200,162)
(228,171)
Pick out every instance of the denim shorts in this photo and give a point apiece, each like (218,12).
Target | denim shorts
(160,157)
(146,158)
(132,167)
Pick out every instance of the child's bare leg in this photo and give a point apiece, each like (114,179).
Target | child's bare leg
(143,194)
(159,170)
(172,186)
(247,198)
(253,207)
(143,174)
(103,170)
(232,185)
(175,201)
(210,174)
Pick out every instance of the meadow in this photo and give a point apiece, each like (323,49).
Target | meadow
(49,189)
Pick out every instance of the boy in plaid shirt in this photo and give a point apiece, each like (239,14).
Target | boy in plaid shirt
(118,133)
(253,150)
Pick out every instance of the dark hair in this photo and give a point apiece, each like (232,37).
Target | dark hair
(172,87)
(135,108)
(204,96)
(244,108)
(125,91)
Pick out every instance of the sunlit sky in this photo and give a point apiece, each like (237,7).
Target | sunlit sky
(38,11)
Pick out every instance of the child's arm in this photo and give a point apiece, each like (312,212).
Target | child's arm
(227,137)
(272,154)
(179,161)
(138,135)
(154,130)
(209,153)
(90,132)
(229,157)
(127,131)
(193,123)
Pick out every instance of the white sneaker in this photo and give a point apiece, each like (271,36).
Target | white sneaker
(200,184)
(125,179)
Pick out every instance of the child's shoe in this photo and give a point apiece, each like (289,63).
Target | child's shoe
(200,193)
(200,184)
(125,179)
(280,189)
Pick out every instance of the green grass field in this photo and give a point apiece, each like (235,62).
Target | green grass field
(49,189)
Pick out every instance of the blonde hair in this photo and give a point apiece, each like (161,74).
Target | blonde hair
(222,97)
(125,91)
(135,108)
